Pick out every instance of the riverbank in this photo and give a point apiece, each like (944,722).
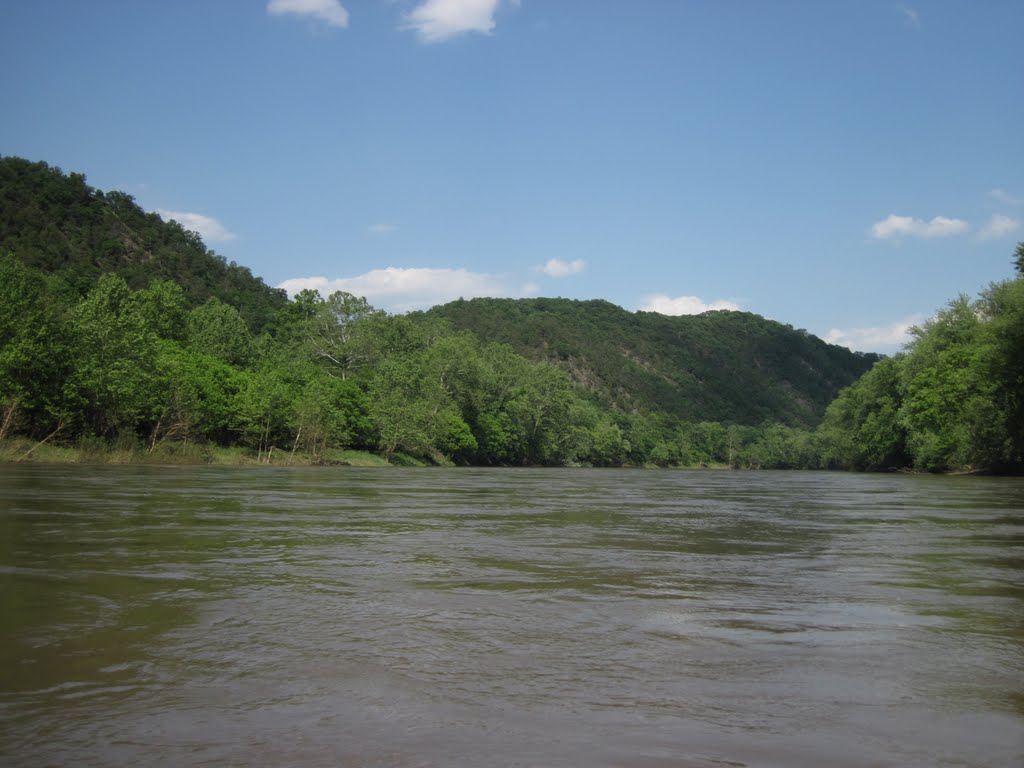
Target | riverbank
(121,451)
(20,450)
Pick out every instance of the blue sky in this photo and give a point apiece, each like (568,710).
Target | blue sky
(846,167)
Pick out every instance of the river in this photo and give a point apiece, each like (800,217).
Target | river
(219,616)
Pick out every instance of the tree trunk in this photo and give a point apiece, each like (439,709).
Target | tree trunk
(9,412)
(26,454)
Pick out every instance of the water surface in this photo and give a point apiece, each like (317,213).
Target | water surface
(360,617)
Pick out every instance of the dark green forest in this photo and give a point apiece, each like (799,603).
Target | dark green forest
(117,328)
(723,366)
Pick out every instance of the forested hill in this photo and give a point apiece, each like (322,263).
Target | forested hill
(57,223)
(118,327)
(719,366)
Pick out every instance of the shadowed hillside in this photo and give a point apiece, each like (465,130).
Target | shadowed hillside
(56,223)
(719,366)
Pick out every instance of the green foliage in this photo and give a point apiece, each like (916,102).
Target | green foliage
(953,401)
(456,440)
(114,382)
(201,398)
(122,331)
(218,330)
(264,408)
(165,309)
(34,350)
(863,427)
(1002,310)
(329,413)
(719,366)
(335,332)
(59,224)
(408,409)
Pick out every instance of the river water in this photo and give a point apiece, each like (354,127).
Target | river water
(222,616)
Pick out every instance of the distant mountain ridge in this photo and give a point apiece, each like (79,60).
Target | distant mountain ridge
(718,366)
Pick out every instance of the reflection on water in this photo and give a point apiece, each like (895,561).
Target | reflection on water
(325,617)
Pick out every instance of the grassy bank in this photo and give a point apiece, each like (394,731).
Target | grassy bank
(123,451)
(130,450)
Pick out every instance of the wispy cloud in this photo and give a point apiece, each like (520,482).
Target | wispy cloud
(435,21)
(331,12)
(1005,197)
(560,268)
(885,338)
(910,16)
(683,305)
(382,228)
(401,290)
(208,227)
(998,226)
(899,226)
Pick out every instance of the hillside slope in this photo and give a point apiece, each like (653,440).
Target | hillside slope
(57,223)
(719,366)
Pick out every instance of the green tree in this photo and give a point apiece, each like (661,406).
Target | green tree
(338,333)
(541,407)
(940,376)
(862,428)
(409,408)
(1001,442)
(33,349)
(165,309)
(709,441)
(264,406)
(329,413)
(608,446)
(201,399)
(114,379)
(218,330)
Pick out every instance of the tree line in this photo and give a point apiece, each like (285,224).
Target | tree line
(116,326)
(332,373)
(953,400)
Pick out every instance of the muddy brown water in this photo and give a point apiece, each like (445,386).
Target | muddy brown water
(216,616)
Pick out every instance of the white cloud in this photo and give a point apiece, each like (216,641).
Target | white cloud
(1005,197)
(382,228)
(998,226)
(683,305)
(560,268)
(897,226)
(910,16)
(401,290)
(208,227)
(886,338)
(329,11)
(435,21)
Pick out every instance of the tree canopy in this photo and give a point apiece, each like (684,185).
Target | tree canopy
(115,325)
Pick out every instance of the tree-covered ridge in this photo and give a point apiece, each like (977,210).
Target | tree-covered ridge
(57,223)
(98,346)
(719,366)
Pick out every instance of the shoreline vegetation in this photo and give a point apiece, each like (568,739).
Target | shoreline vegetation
(123,339)
(20,450)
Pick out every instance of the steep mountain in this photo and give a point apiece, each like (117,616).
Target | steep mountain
(57,223)
(718,366)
